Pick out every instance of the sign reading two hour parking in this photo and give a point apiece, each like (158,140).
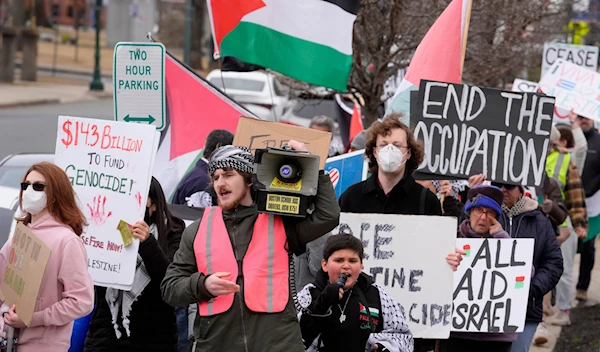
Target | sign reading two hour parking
(139,83)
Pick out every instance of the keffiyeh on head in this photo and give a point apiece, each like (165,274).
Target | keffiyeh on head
(229,156)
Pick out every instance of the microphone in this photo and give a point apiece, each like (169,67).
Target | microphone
(342,279)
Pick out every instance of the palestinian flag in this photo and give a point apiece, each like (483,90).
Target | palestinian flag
(194,109)
(374,311)
(446,39)
(309,40)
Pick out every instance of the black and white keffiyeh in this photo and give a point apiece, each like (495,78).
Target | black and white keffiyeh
(229,156)
(123,300)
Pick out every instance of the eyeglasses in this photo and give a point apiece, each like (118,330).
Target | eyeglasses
(36,186)
(477,212)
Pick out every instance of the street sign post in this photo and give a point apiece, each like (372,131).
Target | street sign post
(139,83)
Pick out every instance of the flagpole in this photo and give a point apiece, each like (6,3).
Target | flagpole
(465,35)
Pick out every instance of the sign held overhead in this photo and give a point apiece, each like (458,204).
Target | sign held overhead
(467,130)
(580,55)
(139,83)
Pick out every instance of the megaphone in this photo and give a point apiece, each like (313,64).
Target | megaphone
(291,179)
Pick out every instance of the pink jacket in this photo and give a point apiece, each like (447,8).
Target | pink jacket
(66,292)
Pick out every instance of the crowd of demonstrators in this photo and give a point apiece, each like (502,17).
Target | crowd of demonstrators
(50,211)
(353,314)
(234,314)
(138,319)
(393,155)
(193,189)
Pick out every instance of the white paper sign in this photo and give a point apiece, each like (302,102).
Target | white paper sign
(524,86)
(574,87)
(580,55)
(521,85)
(406,254)
(109,164)
(491,285)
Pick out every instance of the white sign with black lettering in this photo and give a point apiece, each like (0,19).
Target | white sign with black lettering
(491,285)
(580,55)
(139,83)
(400,256)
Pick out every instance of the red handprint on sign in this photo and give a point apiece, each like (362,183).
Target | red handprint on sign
(98,214)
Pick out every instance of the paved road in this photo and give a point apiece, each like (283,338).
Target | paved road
(33,129)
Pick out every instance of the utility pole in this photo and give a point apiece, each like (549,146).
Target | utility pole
(96,83)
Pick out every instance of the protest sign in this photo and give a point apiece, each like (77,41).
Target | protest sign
(524,86)
(346,170)
(256,134)
(400,256)
(521,85)
(25,266)
(467,130)
(575,88)
(491,285)
(109,164)
(580,55)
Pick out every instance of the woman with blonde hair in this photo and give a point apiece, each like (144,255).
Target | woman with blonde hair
(66,293)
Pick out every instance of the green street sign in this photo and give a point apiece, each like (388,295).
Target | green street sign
(139,83)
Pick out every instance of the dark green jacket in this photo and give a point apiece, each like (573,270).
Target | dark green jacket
(240,329)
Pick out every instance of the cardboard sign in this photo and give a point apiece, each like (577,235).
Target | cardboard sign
(25,266)
(468,130)
(574,87)
(400,256)
(109,164)
(491,285)
(346,170)
(580,55)
(256,134)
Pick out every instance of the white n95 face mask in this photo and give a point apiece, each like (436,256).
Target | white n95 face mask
(390,158)
(34,201)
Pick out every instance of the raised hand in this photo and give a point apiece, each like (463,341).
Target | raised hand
(455,258)
(476,180)
(496,227)
(141,231)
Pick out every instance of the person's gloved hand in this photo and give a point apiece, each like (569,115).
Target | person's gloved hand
(332,294)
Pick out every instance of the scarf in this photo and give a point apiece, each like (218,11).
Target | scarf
(123,300)
(517,209)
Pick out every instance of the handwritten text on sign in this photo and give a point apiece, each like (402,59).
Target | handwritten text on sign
(580,55)
(25,266)
(109,165)
(491,286)
(469,130)
(400,257)
(574,87)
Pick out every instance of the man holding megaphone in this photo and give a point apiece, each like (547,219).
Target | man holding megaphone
(234,261)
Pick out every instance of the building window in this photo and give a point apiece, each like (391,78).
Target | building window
(70,12)
(55,10)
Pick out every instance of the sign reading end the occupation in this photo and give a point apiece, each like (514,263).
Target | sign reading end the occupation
(468,130)
(139,83)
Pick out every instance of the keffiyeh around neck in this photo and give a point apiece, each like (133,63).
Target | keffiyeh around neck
(517,209)
(119,300)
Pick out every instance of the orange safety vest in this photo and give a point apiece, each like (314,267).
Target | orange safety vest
(265,265)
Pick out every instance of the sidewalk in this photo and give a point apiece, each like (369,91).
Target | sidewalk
(593,299)
(49,90)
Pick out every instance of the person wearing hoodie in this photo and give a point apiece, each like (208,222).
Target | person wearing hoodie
(66,293)
(139,320)
(352,315)
(522,218)
(483,207)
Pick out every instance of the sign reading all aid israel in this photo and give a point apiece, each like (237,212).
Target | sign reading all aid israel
(139,83)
